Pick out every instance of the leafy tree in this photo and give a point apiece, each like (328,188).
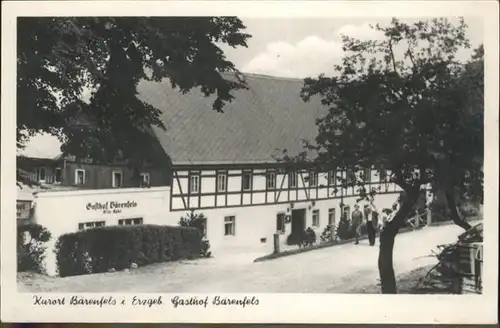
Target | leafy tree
(59,59)
(31,247)
(403,104)
(194,220)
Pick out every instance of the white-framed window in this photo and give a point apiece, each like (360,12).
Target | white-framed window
(292,179)
(42,174)
(145,178)
(229,226)
(194,183)
(280,223)
(247,181)
(332,178)
(134,221)
(90,225)
(58,175)
(221,181)
(117,179)
(332,216)
(313,178)
(271,180)
(315,218)
(367,175)
(79,176)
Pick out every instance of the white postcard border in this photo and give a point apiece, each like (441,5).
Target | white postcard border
(272,308)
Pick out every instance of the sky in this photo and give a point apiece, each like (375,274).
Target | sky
(287,47)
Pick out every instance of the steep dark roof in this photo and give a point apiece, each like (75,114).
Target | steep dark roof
(267,117)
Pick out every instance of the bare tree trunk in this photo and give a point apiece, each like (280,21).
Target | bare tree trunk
(387,238)
(455,215)
(385,263)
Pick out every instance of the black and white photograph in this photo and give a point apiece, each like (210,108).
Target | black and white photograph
(244,155)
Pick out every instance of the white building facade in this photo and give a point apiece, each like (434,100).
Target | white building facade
(244,208)
(247,206)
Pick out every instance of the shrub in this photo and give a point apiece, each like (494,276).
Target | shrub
(30,247)
(326,235)
(344,230)
(198,221)
(303,238)
(117,247)
(309,237)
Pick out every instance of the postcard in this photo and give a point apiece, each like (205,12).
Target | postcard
(250,161)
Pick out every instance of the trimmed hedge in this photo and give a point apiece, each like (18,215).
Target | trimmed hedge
(102,249)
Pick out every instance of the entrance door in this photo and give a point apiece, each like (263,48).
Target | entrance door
(298,221)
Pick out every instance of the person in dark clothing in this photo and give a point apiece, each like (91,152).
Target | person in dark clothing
(357,222)
(371,223)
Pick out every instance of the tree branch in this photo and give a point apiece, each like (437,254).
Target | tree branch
(410,55)
(391,51)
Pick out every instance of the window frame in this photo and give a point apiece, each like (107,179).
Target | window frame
(221,177)
(84,177)
(332,178)
(271,180)
(316,218)
(367,177)
(281,220)
(250,180)
(113,178)
(123,222)
(39,170)
(143,175)
(194,176)
(313,173)
(332,216)
(295,176)
(94,224)
(348,207)
(231,223)
(57,169)
(383,178)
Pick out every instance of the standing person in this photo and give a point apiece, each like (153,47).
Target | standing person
(371,223)
(356,222)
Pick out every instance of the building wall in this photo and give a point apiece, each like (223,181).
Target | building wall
(259,222)
(234,196)
(62,211)
(100,176)
(96,176)
(256,210)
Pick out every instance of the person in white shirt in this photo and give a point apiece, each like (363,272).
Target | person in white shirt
(371,215)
